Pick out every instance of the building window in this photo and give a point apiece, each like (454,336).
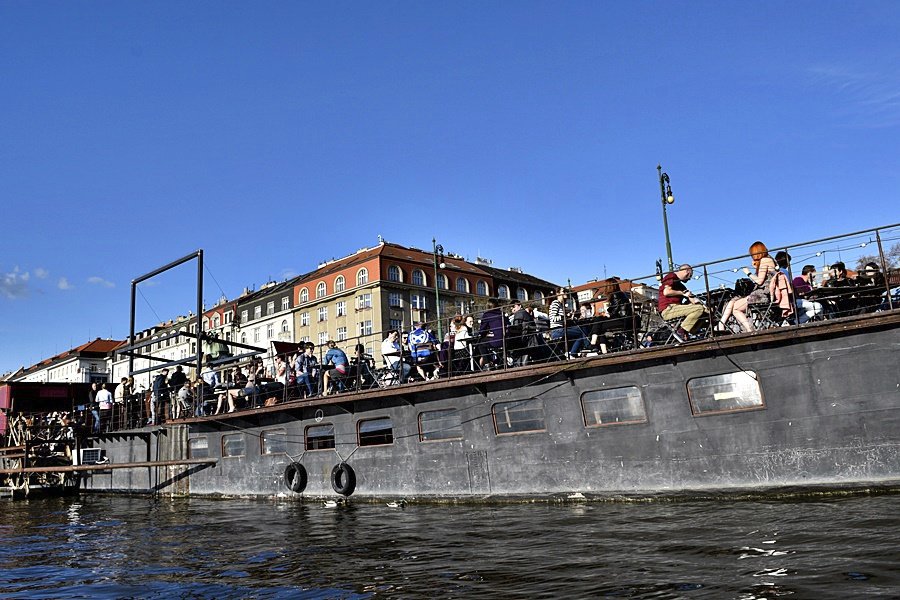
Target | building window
(462,285)
(284,326)
(364,301)
(395,300)
(323,337)
(270,331)
(436,425)
(519,416)
(481,288)
(538,296)
(270,307)
(243,317)
(396,324)
(320,290)
(233,444)
(725,393)
(320,437)
(362,276)
(198,447)
(365,327)
(304,339)
(228,317)
(285,303)
(339,283)
(323,313)
(394,273)
(216,322)
(418,302)
(257,312)
(442,281)
(304,295)
(418,277)
(503,292)
(340,309)
(243,338)
(521,294)
(617,406)
(256,334)
(376,432)
(304,319)
(341,334)
(273,441)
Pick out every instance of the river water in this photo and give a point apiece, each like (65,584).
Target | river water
(96,546)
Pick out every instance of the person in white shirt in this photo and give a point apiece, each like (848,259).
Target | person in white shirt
(390,350)
(105,401)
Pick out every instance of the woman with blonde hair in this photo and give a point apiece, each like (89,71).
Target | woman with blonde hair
(766,270)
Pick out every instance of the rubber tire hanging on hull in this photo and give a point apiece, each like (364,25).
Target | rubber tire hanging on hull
(343,479)
(295,477)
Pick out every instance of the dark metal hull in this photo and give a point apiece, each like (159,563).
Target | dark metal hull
(831,419)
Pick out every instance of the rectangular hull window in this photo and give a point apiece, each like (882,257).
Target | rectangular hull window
(273,441)
(435,425)
(320,437)
(233,444)
(376,432)
(198,447)
(519,417)
(619,406)
(725,393)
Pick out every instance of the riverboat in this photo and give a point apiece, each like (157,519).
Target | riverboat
(792,407)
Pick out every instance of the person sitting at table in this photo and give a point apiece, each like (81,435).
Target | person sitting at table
(840,288)
(210,381)
(766,270)
(184,401)
(676,301)
(491,332)
(306,366)
(462,340)
(871,284)
(807,309)
(561,326)
(391,351)
(421,348)
(337,367)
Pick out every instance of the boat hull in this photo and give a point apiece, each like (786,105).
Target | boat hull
(829,419)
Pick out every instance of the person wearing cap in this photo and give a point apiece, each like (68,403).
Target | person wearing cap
(421,345)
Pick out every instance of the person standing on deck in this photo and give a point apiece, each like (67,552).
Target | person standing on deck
(159,394)
(105,403)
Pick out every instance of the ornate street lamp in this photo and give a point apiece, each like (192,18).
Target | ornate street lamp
(665,192)
(438,250)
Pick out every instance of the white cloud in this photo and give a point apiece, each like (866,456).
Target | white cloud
(41,273)
(867,97)
(64,284)
(14,285)
(100,281)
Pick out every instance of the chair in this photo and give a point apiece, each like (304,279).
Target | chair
(666,331)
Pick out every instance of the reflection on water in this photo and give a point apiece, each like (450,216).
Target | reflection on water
(115,547)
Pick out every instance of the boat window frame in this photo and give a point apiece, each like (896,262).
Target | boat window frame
(643,403)
(422,433)
(695,412)
(359,431)
(238,435)
(497,431)
(191,448)
(306,437)
(262,441)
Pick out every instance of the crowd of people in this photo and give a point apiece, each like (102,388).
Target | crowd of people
(516,334)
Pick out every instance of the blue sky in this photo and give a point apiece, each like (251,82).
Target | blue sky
(277,135)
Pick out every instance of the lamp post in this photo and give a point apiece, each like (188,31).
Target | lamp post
(437,249)
(665,192)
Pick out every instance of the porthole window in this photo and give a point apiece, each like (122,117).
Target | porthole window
(618,406)
(233,445)
(198,447)
(273,441)
(519,417)
(376,432)
(436,425)
(729,392)
(320,437)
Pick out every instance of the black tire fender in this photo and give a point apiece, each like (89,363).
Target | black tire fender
(295,477)
(343,479)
